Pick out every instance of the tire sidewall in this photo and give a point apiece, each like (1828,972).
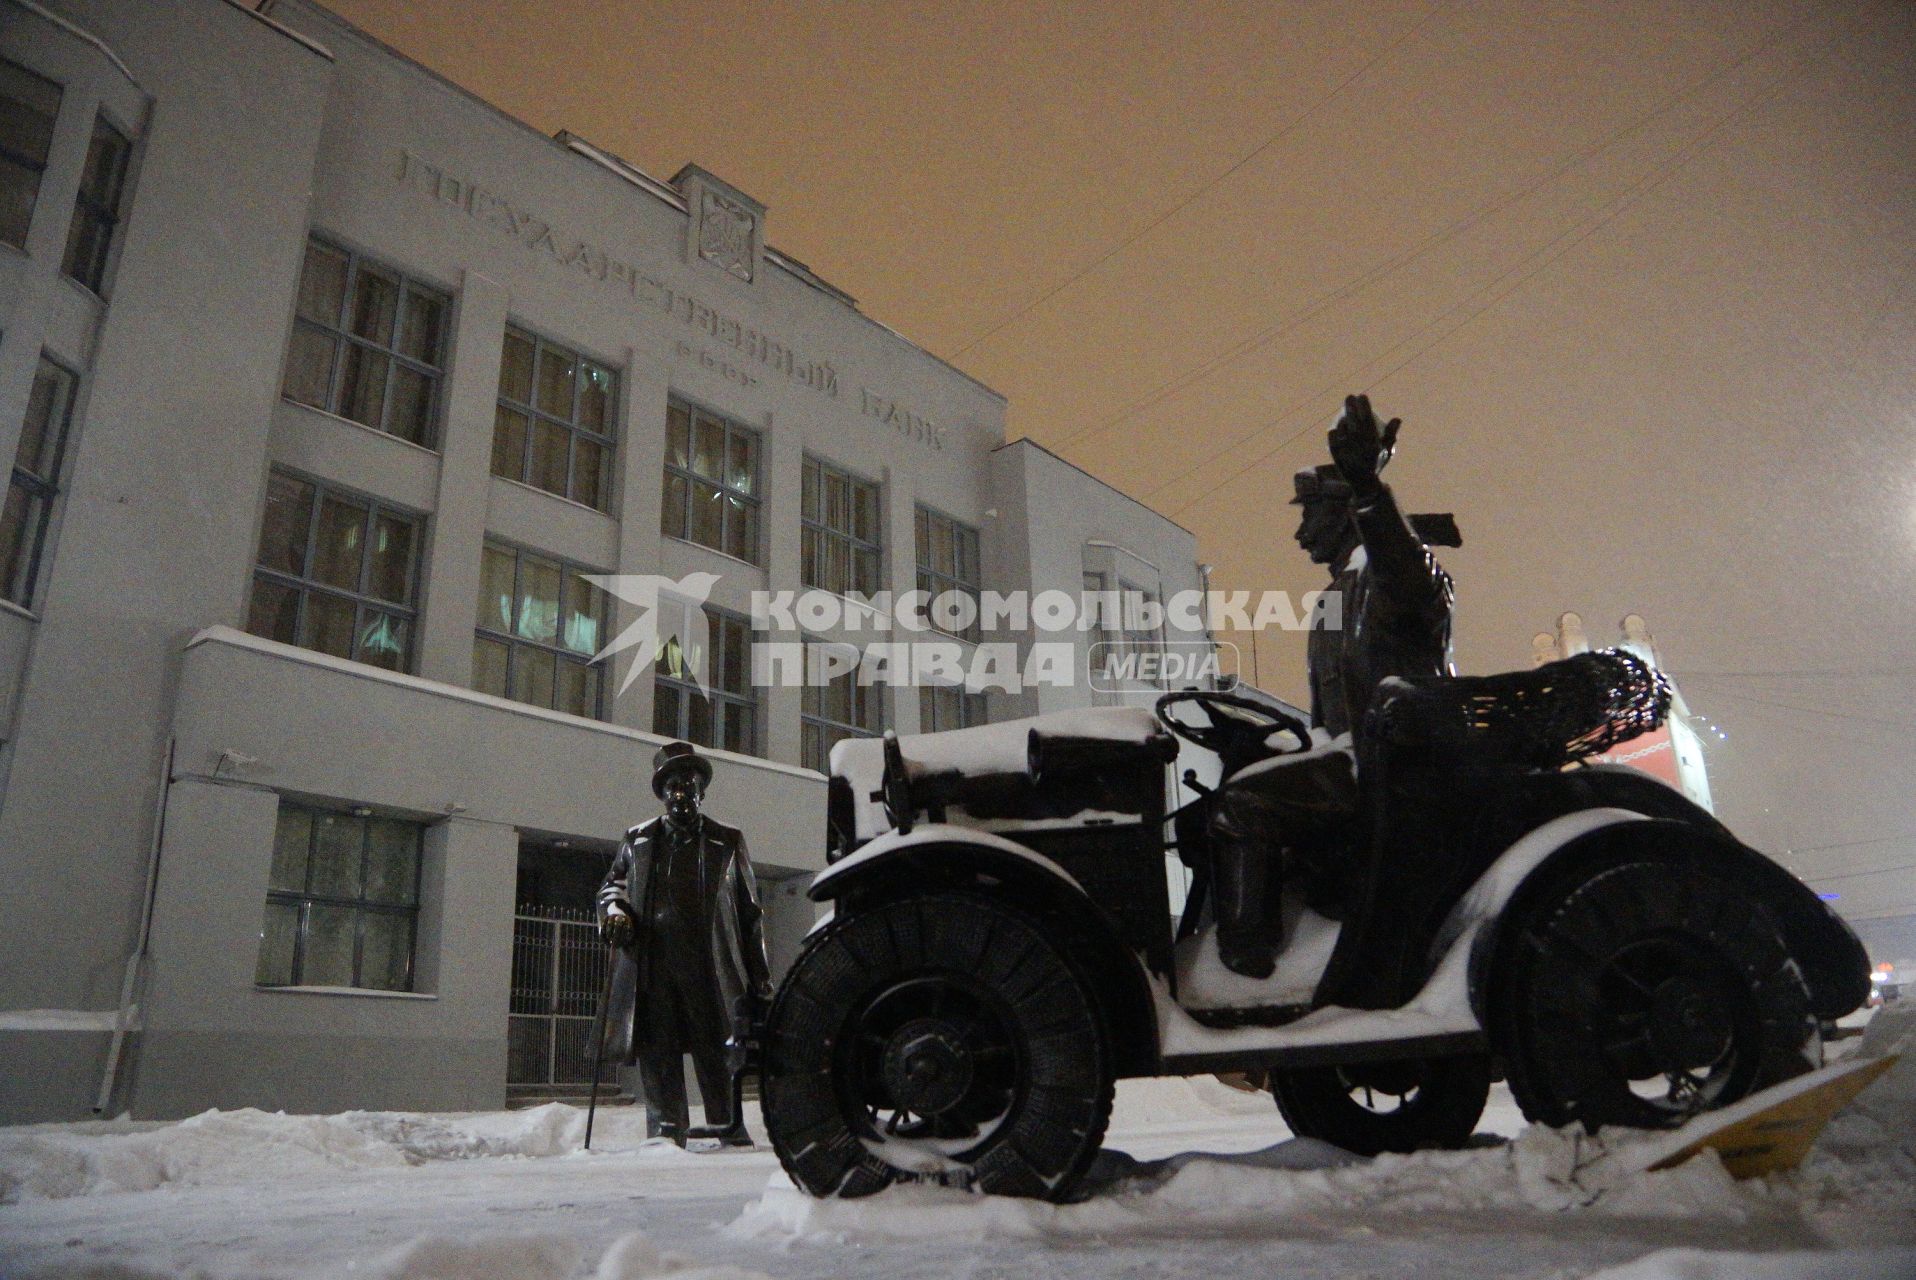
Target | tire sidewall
(1785,1041)
(1056,1121)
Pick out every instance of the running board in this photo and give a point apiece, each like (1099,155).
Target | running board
(1450,1044)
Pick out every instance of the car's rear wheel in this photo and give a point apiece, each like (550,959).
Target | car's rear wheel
(941,1039)
(1649,993)
(1376,1107)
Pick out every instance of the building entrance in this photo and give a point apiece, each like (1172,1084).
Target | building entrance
(558,970)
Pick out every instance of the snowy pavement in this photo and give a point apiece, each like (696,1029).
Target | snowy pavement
(509,1196)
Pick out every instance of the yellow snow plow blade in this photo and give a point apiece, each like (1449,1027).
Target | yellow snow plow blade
(1773,1130)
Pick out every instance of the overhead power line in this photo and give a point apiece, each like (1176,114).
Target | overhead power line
(1435,240)
(1403,259)
(1852,844)
(1821,712)
(1858,875)
(1201,191)
(1827,673)
(1549,254)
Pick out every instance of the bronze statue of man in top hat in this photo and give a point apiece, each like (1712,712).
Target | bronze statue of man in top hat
(680,908)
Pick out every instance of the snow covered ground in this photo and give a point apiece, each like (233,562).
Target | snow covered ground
(510,1196)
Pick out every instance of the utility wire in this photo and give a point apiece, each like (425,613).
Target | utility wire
(1857,875)
(1403,259)
(1193,198)
(1852,844)
(1830,673)
(1822,712)
(1438,238)
(1645,187)
(1813,725)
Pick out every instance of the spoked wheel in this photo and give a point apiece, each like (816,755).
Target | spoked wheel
(943,1039)
(1653,992)
(1376,1107)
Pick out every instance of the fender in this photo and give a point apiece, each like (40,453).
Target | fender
(938,856)
(1473,922)
(1834,964)
(888,851)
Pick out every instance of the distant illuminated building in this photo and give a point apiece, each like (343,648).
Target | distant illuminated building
(1673,752)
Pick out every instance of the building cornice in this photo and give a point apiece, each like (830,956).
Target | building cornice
(232,638)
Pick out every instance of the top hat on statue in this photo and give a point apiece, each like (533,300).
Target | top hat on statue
(675,758)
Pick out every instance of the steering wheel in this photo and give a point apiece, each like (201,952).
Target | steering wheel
(1248,722)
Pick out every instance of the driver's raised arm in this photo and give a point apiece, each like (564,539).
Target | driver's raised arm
(1406,578)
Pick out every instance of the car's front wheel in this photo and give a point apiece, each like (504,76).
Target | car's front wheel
(1653,991)
(943,1039)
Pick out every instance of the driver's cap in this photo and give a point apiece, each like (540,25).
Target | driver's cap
(1323,483)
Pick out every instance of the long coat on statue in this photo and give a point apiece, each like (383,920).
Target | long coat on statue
(728,933)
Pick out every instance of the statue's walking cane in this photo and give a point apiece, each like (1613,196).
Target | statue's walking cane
(598,1042)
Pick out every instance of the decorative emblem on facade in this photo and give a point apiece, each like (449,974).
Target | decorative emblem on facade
(726,228)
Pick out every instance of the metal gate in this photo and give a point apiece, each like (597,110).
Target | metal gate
(558,975)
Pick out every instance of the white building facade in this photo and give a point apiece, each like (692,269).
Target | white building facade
(328,386)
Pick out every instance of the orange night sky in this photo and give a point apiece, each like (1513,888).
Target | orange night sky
(1640,278)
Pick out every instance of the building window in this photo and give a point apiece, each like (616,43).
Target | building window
(1096,608)
(832,711)
(711,482)
(367,344)
(342,901)
(35,481)
(97,211)
(1137,644)
(28,105)
(729,717)
(553,429)
(946,706)
(948,563)
(540,623)
(840,544)
(337,573)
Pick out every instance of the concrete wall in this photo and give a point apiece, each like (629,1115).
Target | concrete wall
(159,516)
(1061,522)
(311,726)
(212,1037)
(51,1074)
(478,771)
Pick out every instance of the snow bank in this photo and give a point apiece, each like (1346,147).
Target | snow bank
(1891,1101)
(525,1257)
(1867,1155)
(52,1162)
(1700,1264)
(216,1146)
(1866,1164)
(545,1257)
(1544,1171)
(554,1129)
